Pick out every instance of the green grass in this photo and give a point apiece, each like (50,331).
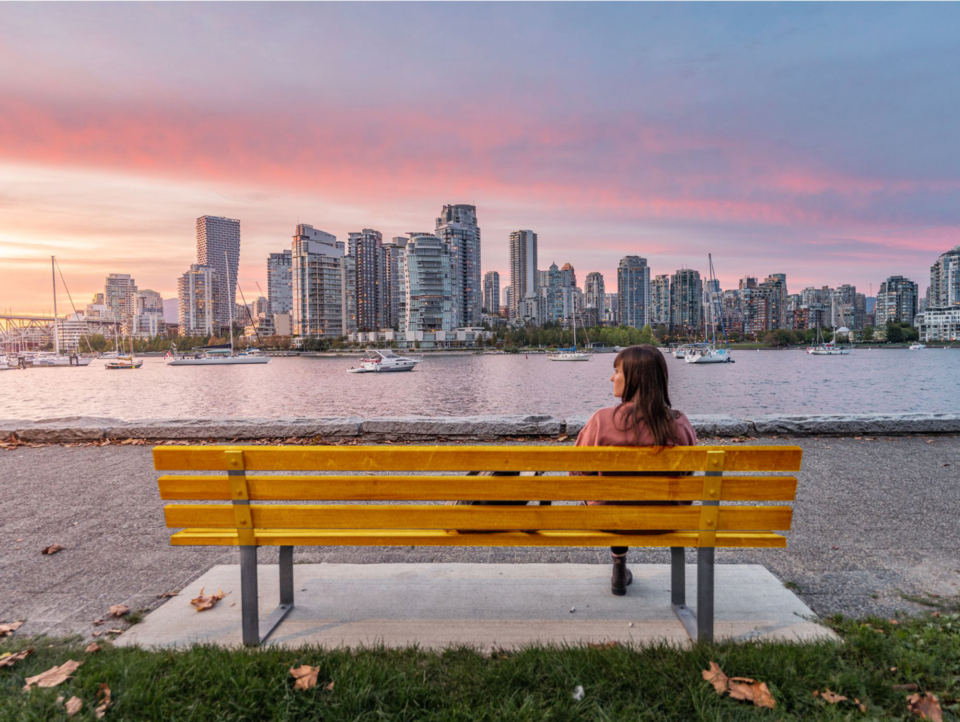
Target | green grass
(654,683)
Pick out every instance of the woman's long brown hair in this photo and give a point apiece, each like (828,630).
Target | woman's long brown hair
(645,394)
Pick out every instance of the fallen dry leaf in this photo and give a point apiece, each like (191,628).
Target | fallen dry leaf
(716,677)
(8,660)
(73,706)
(207,602)
(52,549)
(7,629)
(118,610)
(925,707)
(329,687)
(114,631)
(861,705)
(305,675)
(562,437)
(97,622)
(167,595)
(603,645)
(53,676)
(750,690)
(103,697)
(93,647)
(830,697)
(910,687)
(97,634)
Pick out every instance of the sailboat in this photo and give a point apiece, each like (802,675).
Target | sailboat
(220,355)
(571,354)
(44,359)
(124,362)
(826,349)
(708,353)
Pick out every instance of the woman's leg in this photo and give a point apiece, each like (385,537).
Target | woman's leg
(622,577)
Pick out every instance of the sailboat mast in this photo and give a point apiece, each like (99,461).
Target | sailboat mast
(574,298)
(229,304)
(712,322)
(56,330)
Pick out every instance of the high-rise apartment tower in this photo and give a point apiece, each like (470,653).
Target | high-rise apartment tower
(218,245)
(457,227)
(523,269)
(280,282)
(633,291)
(491,293)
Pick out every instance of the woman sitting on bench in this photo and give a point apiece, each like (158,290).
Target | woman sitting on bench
(643,417)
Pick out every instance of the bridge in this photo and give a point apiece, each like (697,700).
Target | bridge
(29,332)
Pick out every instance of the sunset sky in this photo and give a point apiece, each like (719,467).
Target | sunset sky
(816,140)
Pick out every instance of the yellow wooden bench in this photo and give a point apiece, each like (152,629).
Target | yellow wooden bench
(249,524)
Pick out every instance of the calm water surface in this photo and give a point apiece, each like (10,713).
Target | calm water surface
(758,383)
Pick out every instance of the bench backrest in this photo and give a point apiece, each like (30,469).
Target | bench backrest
(347,477)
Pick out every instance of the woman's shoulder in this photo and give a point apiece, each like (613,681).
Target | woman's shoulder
(605,414)
(602,417)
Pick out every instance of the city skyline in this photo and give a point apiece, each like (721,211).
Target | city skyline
(812,140)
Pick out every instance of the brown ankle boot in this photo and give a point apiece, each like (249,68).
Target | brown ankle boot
(622,577)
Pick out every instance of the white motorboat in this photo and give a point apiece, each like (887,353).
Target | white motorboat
(708,355)
(917,347)
(378,361)
(686,349)
(8,363)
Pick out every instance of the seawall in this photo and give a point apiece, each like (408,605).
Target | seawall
(411,429)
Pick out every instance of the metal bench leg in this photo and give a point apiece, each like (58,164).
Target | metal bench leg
(286,594)
(286,575)
(249,599)
(678,591)
(705,569)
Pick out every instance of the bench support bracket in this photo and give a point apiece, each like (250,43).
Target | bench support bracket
(249,595)
(678,592)
(249,587)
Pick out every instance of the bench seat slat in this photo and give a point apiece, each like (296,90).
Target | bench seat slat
(476,458)
(369,516)
(456,488)
(365,537)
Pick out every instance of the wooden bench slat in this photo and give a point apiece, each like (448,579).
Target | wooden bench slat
(363,516)
(333,537)
(457,488)
(476,458)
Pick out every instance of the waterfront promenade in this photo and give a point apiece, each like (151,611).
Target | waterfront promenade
(874,526)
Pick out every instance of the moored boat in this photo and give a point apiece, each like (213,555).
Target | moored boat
(377,361)
(123,362)
(708,355)
(709,352)
(571,354)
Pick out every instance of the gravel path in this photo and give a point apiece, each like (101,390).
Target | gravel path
(873,521)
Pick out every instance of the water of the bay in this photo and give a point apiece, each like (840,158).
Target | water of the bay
(765,382)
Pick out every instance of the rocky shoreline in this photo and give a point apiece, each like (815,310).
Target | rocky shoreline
(465,428)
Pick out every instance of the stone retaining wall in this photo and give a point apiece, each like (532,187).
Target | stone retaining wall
(483,428)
